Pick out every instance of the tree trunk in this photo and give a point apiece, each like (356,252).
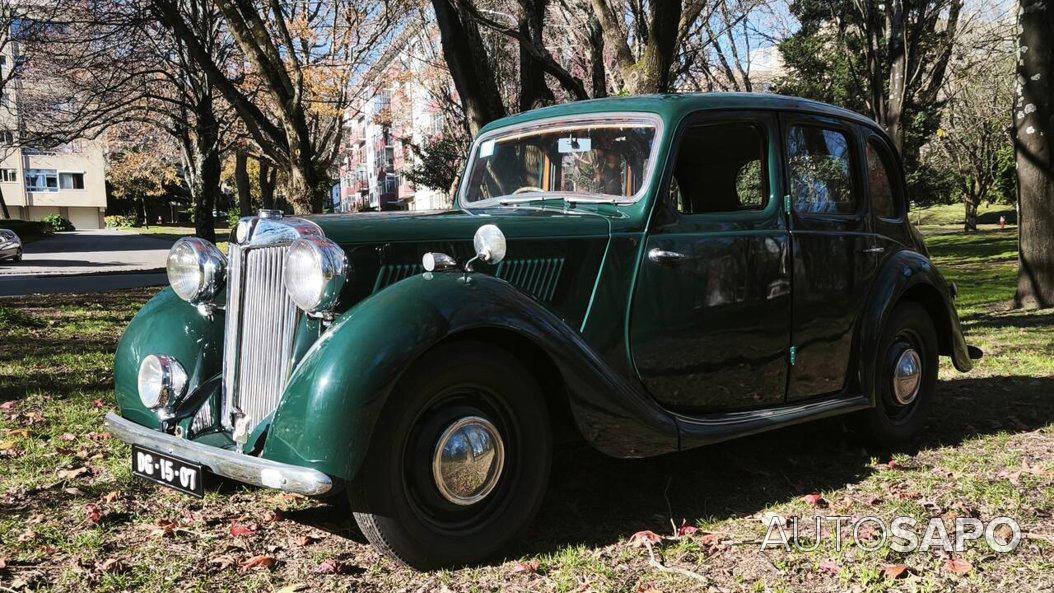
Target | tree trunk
(971,202)
(267,183)
(241,181)
(534,92)
(469,65)
(303,188)
(3,204)
(201,144)
(598,74)
(1034,128)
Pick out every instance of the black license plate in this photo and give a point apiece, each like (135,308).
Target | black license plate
(168,471)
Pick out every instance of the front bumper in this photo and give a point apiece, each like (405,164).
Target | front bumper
(229,464)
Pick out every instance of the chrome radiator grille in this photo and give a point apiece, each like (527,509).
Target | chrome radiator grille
(260,322)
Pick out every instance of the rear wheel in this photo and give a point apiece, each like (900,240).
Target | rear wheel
(905,375)
(18,255)
(459,461)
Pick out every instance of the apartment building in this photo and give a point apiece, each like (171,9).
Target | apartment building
(69,180)
(396,110)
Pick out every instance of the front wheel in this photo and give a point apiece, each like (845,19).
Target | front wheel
(459,461)
(905,376)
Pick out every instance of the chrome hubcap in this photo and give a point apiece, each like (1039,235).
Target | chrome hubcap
(907,376)
(468,460)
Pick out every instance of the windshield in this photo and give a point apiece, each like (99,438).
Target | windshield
(596,159)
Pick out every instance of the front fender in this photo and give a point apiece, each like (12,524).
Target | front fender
(166,325)
(336,393)
(911,275)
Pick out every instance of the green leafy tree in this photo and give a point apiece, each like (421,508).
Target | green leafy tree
(886,60)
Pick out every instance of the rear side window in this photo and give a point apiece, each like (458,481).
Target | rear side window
(721,168)
(819,165)
(884,202)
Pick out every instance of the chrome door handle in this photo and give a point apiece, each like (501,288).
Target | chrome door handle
(661,255)
(873,250)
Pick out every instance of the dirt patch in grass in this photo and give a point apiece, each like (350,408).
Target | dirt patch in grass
(72,518)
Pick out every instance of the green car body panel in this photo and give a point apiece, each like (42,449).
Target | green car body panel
(576,289)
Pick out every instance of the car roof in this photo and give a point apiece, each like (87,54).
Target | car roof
(671,107)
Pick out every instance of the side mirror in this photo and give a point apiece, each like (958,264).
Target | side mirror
(489,242)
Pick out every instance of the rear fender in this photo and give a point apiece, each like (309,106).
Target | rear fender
(910,276)
(335,394)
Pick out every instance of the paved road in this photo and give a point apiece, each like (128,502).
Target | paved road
(86,261)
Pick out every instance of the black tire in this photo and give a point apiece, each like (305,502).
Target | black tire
(18,255)
(893,422)
(397,503)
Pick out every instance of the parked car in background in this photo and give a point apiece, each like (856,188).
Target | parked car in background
(10,246)
(652,273)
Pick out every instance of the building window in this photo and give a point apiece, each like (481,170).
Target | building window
(8,175)
(71,180)
(7,137)
(42,180)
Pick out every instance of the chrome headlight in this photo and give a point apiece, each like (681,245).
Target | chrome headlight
(195,269)
(162,381)
(315,272)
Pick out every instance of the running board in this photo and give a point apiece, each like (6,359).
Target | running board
(704,430)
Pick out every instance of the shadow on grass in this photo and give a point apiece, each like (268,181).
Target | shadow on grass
(594,500)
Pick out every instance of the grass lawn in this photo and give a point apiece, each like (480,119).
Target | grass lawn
(173,233)
(72,518)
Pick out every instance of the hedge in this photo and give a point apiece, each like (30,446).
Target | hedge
(27,230)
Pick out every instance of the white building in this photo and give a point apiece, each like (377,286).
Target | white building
(69,181)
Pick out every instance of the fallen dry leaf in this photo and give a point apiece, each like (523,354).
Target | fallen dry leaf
(829,567)
(8,405)
(306,540)
(530,567)
(895,571)
(293,588)
(260,561)
(163,528)
(3,563)
(67,436)
(93,513)
(273,516)
(815,500)
(644,537)
(242,529)
(684,530)
(69,474)
(110,565)
(957,566)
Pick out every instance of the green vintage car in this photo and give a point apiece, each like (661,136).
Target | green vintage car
(650,273)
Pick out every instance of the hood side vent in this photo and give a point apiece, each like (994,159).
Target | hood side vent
(391,273)
(537,276)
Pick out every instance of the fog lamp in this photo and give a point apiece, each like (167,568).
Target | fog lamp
(162,381)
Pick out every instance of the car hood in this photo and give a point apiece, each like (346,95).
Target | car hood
(553,254)
(458,225)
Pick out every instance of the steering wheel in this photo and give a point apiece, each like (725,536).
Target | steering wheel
(527,188)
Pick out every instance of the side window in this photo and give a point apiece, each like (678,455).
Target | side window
(819,167)
(720,168)
(884,202)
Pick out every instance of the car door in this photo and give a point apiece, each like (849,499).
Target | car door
(710,318)
(834,252)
